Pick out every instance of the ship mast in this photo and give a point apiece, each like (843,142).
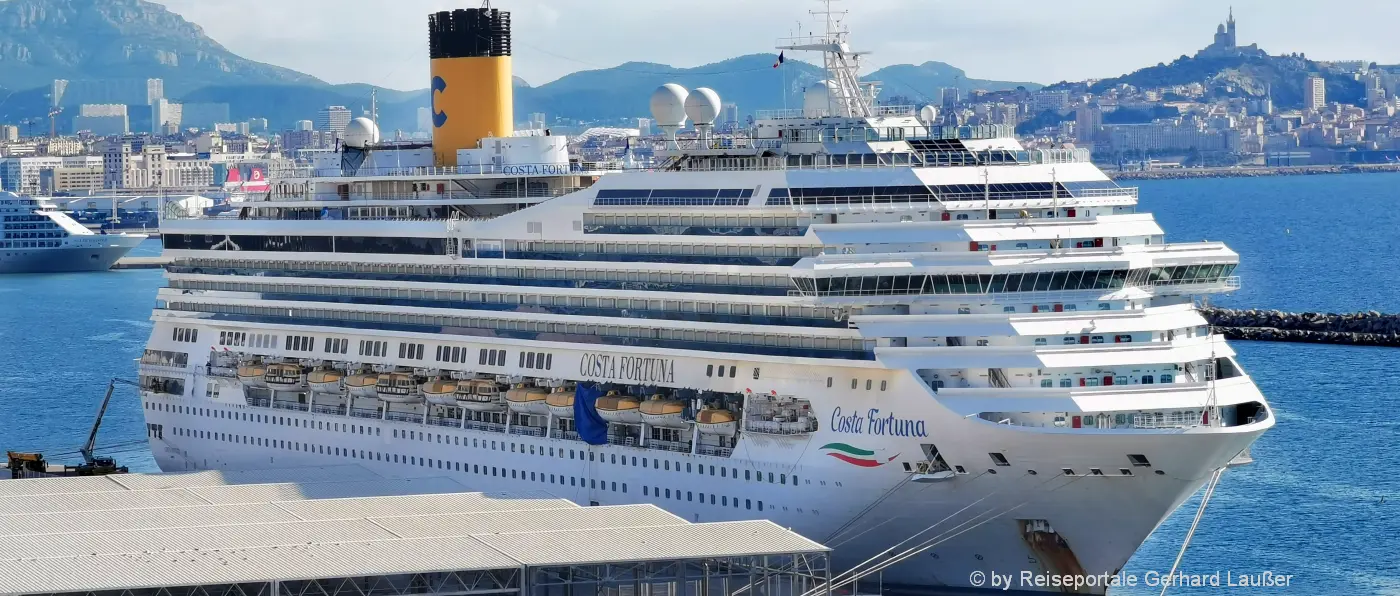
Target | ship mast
(848,97)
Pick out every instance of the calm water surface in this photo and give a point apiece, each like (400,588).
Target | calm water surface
(1322,503)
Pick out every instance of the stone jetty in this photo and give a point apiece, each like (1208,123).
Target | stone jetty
(1362,329)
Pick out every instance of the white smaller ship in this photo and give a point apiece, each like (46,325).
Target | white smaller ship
(35,238)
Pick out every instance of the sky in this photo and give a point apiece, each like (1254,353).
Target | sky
(384,42)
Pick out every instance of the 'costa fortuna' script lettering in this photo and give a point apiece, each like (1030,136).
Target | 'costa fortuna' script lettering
(635,369)
(872,423)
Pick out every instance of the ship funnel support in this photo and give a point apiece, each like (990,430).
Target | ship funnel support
(472,87)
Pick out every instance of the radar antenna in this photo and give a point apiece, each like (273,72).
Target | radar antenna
(849,97)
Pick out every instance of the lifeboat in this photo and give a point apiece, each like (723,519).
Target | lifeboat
(620,409)
(440,391)
(561,402)
(251,374)
(480,395)
(399,388)
(285,376)
(527,399)
(326,380)
(362,384)
(659,411)
(714,421)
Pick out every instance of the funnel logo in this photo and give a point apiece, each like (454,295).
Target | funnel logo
(439,118)
(855,455)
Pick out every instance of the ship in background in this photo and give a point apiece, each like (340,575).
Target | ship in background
(37,238)
(918,343)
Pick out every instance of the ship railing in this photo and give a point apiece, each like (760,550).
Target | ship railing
(162,369)
(450,421)
(622,440)
(577,168)
(716,450)
(527,431)
(486,426)
(571,435)
(224,372)
(1228,283)
(403,416)
(332,410)
(774,427)
(364,412)
(289,405)
(675,446)
(260,402)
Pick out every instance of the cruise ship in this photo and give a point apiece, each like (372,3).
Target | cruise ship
(921,344)
(36,238)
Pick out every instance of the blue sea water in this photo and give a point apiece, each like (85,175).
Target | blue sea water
(1322,502)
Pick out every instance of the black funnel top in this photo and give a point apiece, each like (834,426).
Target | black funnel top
(469,33)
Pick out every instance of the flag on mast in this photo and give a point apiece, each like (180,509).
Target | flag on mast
(781,60)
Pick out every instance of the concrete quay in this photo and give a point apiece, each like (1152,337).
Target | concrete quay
(1361,329)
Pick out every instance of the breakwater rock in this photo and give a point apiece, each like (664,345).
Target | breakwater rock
(1363,328)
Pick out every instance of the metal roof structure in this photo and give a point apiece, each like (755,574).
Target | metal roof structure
(134,532)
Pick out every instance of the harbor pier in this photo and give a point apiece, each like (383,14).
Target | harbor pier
(1369,328)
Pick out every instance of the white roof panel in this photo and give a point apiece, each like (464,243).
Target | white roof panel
(572,518)
(424,505)
(19,524)
(301,475)
(255,493)
(650,543)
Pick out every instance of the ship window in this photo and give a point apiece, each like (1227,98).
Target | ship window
(710,370)
(882,385)
(732,370)
(828,381)
(755,372)
(999,459)
(868,384)
(853,383)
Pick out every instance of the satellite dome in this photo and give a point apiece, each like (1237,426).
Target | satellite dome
(668,105)
(928,115)
(361,133)
(702,106)
(816,102)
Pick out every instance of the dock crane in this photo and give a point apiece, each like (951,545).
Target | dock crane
(33,465)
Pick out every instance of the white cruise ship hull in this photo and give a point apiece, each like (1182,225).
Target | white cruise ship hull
(86,256)
(975,520)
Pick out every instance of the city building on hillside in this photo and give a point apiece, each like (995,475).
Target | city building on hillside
(1226,43)
(1314,93)
(334,119)
(155,90)
(102,119)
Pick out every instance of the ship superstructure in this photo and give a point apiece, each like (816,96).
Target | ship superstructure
(37,238)
(871,327)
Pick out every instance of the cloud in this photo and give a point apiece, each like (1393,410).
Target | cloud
(383,41)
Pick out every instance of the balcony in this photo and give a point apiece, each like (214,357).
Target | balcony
(527,431)
(329,410)
(448,421)
(403,417)
(365,413)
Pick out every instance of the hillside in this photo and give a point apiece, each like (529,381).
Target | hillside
(1250,75)
(925,81)
(43,40)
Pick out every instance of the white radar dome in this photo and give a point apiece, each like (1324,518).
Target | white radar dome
(816,102)
(668,105)
(361,133)
(928,115)
(702,106)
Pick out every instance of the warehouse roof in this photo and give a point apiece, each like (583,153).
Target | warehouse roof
(137,531)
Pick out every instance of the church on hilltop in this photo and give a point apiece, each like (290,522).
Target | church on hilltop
(1225,42)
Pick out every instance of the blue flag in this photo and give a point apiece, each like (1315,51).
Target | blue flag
(590,426)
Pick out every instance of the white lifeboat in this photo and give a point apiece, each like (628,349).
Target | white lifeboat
(440,391)
(285,376)
(619,409)
(251,374)
(326,380)
(362,384)
(398,388)
(481,395)
(526,399)
(714,421)
(659,411)
(561,402)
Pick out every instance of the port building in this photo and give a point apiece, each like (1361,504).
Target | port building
(346,531)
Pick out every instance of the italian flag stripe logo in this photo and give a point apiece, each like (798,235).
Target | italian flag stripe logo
(855,455)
